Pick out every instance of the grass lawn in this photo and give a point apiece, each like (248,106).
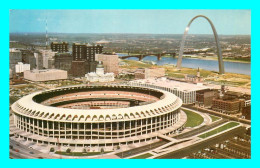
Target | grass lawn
(220,129)
(193,119)
(79,153)
(214,118)
(144,156)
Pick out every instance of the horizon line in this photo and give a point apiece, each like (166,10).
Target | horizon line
(125,33)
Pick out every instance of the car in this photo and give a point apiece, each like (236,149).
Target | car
(207,149)
(16,150)
(31,152)
(17,144)
(40,157)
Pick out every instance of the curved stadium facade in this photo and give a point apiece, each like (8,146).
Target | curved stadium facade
(97,115)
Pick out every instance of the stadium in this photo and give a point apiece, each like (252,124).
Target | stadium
(101,116)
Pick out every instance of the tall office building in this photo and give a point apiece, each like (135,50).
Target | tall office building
(63,61)
(85,52)
(60,47)
(15,56)
(84,58)
(110,62)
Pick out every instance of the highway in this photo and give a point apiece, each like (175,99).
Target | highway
(142,149)
(200,129)
(24,151)
(203,110)
(198,146)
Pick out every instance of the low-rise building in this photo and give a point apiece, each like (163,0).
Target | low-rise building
(99,75)
(185,91)
(154,72)
(228,105)
(205,97)
(140,73)
(246,112)
(45,75)
(20,67)
(145,73)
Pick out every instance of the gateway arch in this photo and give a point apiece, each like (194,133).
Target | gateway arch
(220,60)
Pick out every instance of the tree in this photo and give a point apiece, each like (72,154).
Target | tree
(68,150)
(84,151)
(51,149)
(102,150)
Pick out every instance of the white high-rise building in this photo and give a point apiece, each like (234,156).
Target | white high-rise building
(46,56)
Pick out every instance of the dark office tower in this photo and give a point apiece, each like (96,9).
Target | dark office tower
(78,68)
(92,50)
(78,52)
(59,47)
(63,61)
(85,52)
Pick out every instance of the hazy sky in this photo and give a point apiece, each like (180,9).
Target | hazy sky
(130,21)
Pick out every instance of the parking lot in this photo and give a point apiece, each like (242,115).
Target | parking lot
(236,147)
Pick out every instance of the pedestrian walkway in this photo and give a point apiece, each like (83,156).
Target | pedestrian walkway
(167,138)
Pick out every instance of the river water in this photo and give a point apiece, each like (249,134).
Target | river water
(211,65)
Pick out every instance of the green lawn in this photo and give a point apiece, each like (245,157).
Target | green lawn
(220,129)
(193,119)
(144,156)
(214,118)
(79,153)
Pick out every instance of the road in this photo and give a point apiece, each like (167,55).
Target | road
(200,129)
(24,151)
(198,146)
(181,136)
(203,110)
(142,149)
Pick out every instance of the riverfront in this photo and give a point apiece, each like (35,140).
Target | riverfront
(207,64)
(210,77)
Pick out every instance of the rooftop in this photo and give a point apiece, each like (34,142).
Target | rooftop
(182,86)
(46,70)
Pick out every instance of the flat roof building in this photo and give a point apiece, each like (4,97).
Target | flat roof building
(60,47)
(144,73)
(85,52)
(110,62)
(15,56)
(228,106)
(20,67)
(186,91)
(83,56)
(63,61)
(205,97)
(45,75)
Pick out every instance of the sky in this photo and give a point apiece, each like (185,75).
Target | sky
(226,22)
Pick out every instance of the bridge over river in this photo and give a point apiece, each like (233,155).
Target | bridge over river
(141,56)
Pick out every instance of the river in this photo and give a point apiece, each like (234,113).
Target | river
(211,65)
